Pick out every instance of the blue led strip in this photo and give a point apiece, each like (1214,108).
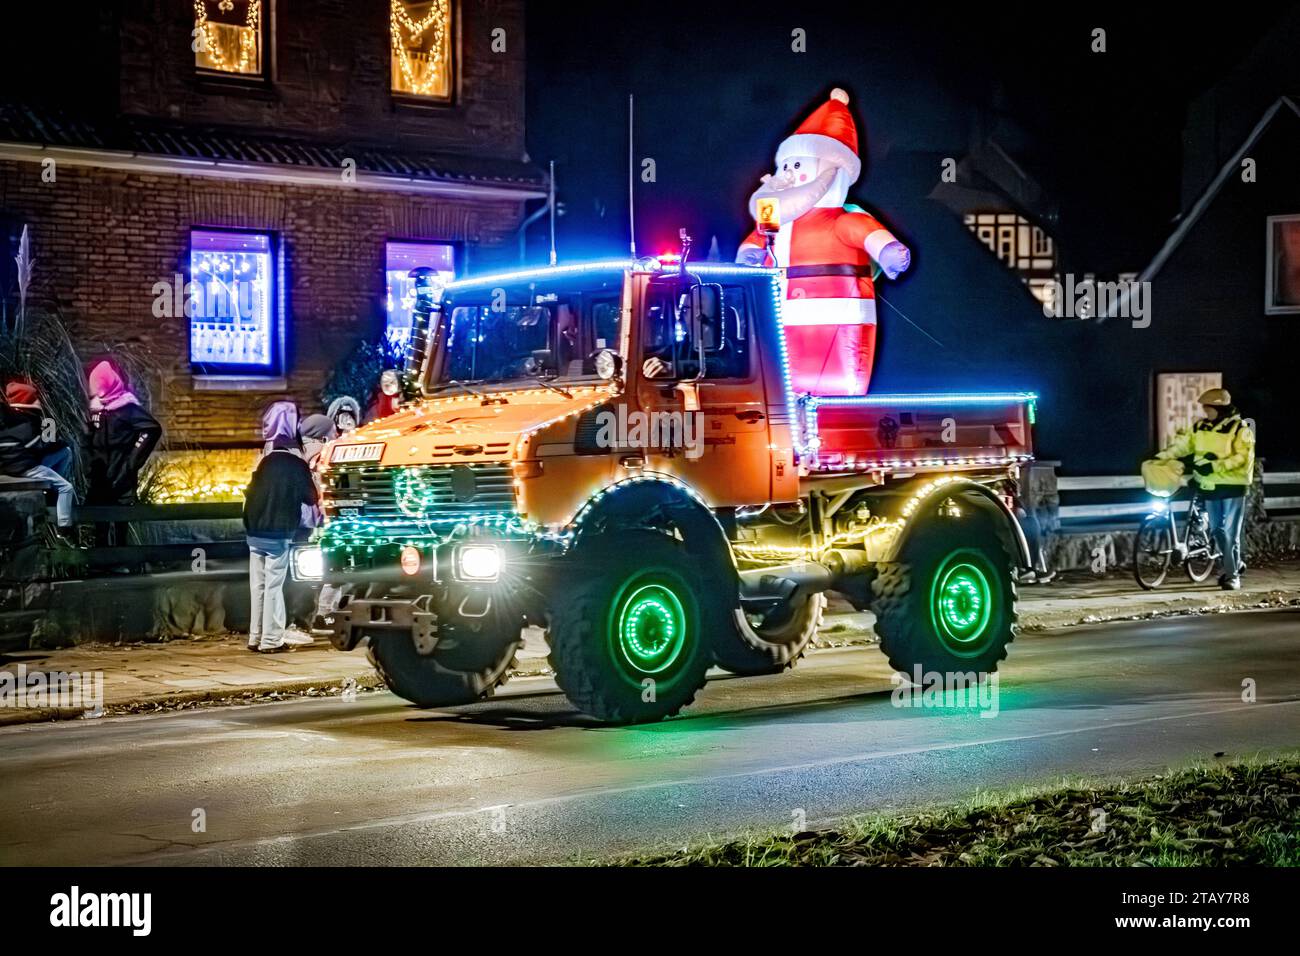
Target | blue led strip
(928,398)
(797,426)
(542,272)
(607,265)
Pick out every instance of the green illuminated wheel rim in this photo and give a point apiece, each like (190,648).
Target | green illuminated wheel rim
(650,628)
(961,604)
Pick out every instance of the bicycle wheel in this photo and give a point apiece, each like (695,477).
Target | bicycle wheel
(1153,550)
(1201,555)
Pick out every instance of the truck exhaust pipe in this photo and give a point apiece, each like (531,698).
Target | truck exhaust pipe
(425,323)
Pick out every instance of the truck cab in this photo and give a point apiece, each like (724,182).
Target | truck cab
(613,452)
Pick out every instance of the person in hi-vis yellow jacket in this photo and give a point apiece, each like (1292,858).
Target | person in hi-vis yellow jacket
(1222,449)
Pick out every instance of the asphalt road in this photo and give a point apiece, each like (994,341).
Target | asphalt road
(523,778)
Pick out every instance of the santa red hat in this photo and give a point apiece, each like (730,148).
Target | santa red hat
(828,134)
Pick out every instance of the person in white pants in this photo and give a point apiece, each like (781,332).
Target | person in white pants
(268,569)
(273,507)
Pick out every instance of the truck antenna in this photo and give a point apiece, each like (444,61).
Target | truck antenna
(551,202)
(631,164)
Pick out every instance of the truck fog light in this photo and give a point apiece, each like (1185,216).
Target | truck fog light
(480,562)
(308,564)
(410,560)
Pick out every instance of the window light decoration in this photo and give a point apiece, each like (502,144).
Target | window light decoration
(233,314)
(228,35)
(421,47)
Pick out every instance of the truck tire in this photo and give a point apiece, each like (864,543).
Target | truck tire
(950,604)
(627,637)
(469,666)
(749,648)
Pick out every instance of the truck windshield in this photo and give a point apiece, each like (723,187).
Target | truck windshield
(556,337)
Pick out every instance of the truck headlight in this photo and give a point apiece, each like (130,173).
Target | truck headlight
(308,564)
(479,562)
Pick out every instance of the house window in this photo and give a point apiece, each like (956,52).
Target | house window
(422,47)
(1023,247)
(1282,292)
(400,258)
(1176,401)
(235,316)
(228,37)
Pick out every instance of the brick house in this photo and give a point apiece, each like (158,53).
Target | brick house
(273,168)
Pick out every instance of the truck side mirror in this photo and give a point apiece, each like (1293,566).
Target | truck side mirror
(706,304)
(705,311)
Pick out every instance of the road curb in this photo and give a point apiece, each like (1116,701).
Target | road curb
(1031,621)
(1217,602)
(1035,620)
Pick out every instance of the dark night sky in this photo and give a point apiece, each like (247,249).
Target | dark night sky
(717,87)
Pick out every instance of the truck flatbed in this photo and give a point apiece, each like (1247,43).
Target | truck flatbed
(917,432)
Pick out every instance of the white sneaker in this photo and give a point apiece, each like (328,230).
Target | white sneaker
(253,642)
(298,639)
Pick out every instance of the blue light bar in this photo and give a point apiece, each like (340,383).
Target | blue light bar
(929,398)
(603,265)
(542,272)
(724,269)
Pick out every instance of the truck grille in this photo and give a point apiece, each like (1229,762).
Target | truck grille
(419,496)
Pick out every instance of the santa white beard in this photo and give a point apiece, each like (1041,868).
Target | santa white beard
(828,189)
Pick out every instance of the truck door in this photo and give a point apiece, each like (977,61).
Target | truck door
(729,463)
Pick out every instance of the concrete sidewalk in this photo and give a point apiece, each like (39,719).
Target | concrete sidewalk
(140,678)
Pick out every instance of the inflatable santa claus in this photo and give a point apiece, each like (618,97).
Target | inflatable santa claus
(829,251)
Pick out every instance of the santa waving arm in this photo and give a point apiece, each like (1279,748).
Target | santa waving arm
(865,232)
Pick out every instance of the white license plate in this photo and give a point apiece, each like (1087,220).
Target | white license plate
(346,453)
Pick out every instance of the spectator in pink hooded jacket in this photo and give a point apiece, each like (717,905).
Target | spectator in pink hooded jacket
(122,437)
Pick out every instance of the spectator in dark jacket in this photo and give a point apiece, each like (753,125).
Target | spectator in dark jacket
(122,437)
(273,505)
(56,455)
(24,453)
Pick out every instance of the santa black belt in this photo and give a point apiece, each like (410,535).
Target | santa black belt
(812,272)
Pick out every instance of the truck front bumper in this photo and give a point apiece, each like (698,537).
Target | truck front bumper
(383,617)
(457,582)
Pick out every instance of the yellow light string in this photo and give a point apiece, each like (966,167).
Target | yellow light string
(401,20)
(247,37)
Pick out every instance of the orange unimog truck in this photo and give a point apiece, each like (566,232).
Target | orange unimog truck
(612,452)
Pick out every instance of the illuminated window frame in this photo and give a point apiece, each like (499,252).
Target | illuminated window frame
(401,76)
(262,10)
(1275,226)
(272,369)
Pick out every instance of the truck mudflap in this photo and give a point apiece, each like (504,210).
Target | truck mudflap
(395,618)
